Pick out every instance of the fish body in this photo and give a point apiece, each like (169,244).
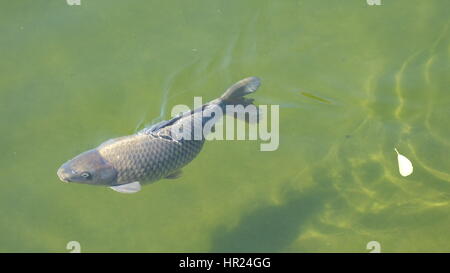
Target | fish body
(148,157)
(154,153)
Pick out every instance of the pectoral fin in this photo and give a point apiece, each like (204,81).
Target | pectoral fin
(128,188)
(174,175)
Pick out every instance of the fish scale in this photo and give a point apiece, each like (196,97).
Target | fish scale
(148,158)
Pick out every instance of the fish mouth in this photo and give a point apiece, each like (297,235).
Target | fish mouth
(62,176)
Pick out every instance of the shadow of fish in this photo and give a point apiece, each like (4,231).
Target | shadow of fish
(154,153)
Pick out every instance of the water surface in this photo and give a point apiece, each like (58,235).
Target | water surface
(353,81)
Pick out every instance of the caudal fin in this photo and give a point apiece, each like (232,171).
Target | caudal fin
(235,94)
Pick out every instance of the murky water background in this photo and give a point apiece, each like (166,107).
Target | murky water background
(353,81)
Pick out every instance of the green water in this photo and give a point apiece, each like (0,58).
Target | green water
(353,81)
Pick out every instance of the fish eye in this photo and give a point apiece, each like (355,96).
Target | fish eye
(85,175)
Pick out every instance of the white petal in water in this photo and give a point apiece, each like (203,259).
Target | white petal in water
(404,164)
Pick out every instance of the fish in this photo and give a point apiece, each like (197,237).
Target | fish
(157,152)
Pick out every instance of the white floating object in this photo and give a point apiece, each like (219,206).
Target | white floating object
(405,166)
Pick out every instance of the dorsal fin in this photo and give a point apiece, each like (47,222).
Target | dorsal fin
(159,125)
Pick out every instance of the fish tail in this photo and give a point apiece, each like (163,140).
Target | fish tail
(235,95)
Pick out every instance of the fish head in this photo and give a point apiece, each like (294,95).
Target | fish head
(88,168)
